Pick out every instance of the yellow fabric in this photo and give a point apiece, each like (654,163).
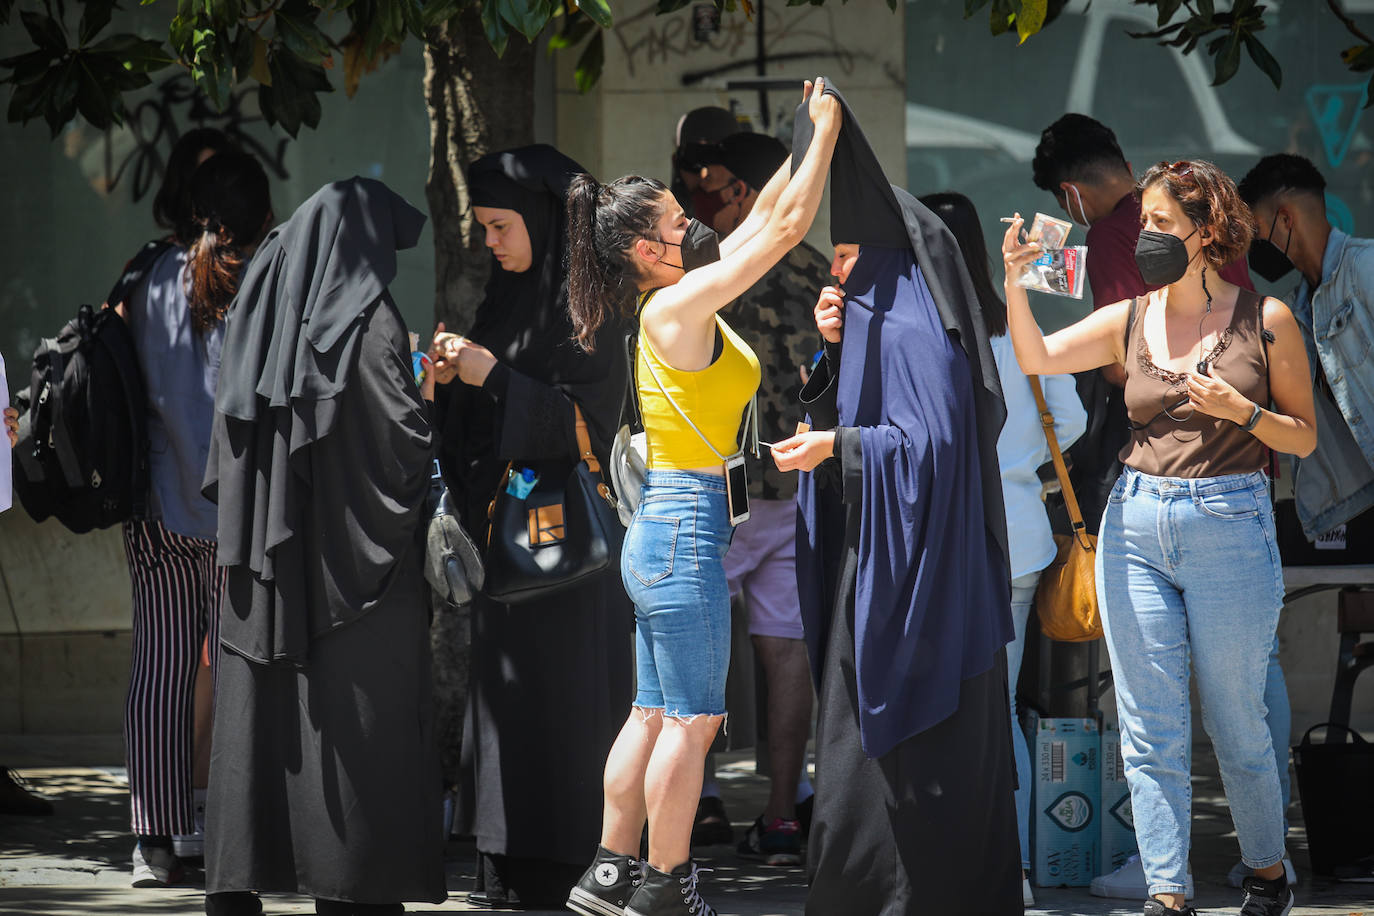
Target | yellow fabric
(714,397)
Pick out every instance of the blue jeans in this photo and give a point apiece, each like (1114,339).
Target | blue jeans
(672,568)
(1022,597)
(1188,569)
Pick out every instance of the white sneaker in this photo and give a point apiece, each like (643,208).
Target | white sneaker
(192,845)
(1128,882)
(155,867)
(1240,871)
(1027,898)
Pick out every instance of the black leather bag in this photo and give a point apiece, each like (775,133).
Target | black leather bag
(563,531)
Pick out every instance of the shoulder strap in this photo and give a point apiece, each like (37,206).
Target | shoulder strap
(1130,325)
(135,271)
(1060,471)
(649,364)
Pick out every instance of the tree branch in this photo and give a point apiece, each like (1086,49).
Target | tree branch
(1349,23)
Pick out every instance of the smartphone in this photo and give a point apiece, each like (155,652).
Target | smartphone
(737,489)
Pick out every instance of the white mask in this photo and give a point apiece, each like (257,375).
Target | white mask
(1082,217)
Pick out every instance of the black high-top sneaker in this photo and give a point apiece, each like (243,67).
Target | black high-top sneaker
(606,887)
(1155,907)
(1266,898)
(670,893)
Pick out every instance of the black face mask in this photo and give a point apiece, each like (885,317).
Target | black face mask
(1266,259)
(699,246)
(1161,257)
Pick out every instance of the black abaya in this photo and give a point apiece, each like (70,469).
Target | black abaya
(551,678)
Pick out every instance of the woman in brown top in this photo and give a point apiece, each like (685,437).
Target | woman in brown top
(1188,566)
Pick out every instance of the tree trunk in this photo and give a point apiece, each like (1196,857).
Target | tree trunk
(478,102)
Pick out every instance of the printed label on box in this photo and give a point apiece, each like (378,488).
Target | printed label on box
(1066,802)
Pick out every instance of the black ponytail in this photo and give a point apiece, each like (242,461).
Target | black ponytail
(604,222)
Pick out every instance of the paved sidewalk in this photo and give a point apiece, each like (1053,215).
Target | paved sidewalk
(76,862)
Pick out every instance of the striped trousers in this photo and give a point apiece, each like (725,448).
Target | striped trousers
(177,589)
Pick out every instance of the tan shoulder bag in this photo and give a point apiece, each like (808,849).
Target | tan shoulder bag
(1066,598)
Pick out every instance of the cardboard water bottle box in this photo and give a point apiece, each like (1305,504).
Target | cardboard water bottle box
(1116,842)
(1065,802)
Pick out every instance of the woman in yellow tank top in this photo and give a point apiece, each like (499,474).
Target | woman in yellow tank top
(633,249)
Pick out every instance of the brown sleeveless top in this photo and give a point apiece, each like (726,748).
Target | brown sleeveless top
(1169,438)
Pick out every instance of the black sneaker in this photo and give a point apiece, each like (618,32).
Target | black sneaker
(778,843)
(1266,898)
(1155,907)
(606,887)
(711,827)
(670,893)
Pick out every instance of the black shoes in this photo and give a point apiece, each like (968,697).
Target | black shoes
(1266,898)
(1153,907)
(711,827)
(607,886)
(670,893)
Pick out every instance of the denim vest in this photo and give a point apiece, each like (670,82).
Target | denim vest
(1336,482)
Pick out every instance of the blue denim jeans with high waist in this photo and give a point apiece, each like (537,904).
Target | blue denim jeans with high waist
(1188,571)
(673,570)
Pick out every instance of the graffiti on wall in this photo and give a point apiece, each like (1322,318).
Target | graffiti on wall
(648,40)
(155,124)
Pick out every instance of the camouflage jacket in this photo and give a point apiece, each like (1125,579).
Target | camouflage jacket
(775,317)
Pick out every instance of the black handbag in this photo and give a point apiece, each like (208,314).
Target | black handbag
(561,532)
(453,564)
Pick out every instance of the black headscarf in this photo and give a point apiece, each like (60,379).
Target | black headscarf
(320,444)
(523,320)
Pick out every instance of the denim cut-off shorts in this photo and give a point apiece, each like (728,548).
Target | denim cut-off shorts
(672,567)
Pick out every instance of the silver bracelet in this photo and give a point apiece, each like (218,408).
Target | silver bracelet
(1254,418)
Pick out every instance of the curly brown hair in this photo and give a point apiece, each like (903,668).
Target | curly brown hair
(1209,198)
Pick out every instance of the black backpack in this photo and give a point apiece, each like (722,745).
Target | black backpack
(82,455)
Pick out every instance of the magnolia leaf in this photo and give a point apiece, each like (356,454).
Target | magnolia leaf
(1264,60)
(45,31)
(574,31)
(497,34)
(590,64)
(598,10)
(260,71)
(1031,18)
(1228,61)
(94,17)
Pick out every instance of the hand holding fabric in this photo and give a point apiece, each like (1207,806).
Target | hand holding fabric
(444,369)
(824,109)
(12,425)
(830,314)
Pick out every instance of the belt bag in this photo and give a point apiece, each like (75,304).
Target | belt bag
(562,532)
(1066,598)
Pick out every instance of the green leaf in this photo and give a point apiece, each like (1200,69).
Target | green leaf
(1228,61)
(302,37)
(1369,93)
(599,11)
(94,17)
(28,101)
(95,99)
(45,31)
(497,34)
(1359,58)
(1031,18)
(590,64)
(29,67)
(574,31)
(1166,10)
(180,35)
(1264,60)
(528,16)
(973,6)
(138,55)
(1206,10)
(440,11)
